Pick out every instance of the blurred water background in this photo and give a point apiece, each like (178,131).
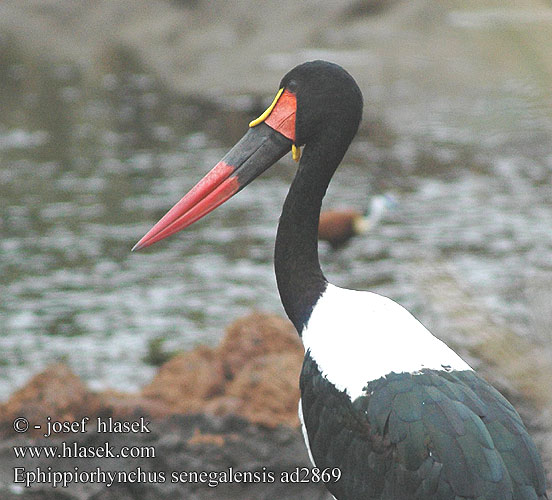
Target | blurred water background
(111,111)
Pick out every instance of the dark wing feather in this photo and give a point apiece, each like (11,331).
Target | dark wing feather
(434,435)
(511,439)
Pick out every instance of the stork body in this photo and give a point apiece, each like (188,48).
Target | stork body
(397,411)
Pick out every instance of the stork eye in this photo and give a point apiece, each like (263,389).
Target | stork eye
(291,86)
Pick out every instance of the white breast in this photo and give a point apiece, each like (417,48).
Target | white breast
(356,337)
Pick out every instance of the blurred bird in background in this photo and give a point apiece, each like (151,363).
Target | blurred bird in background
(337,227)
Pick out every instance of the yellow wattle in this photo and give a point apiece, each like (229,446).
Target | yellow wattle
(264,116)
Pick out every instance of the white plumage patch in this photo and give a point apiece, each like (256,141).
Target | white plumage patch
(305,435)
(356,337)
(304,430)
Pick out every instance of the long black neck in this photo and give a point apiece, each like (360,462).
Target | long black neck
(298,274)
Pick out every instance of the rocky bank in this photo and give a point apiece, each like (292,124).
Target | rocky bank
(228,409)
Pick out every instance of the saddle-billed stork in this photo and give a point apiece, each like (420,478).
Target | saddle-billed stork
(396,410)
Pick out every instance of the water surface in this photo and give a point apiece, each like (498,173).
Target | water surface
(86,171)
